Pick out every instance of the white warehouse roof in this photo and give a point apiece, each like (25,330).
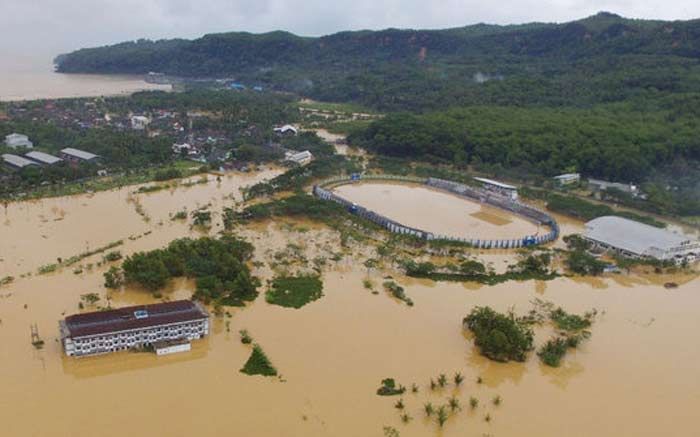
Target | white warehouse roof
(79,153)
(634,237)
(42,157)
(496,183)
(17,161)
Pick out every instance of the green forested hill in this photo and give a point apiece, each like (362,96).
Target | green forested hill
(606,96)
(603,58)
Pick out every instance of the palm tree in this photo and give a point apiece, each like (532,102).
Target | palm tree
(487,418)
(497,400)
(405,418)
(414,388)
(429,409)
(433,385)
(442,380)
(479,380)
(473,402)
(458,379)
(399,404)
(442,416)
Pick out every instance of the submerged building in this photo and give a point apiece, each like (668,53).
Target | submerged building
(139,326)
(634,239)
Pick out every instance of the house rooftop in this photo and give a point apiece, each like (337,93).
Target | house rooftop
(133,317)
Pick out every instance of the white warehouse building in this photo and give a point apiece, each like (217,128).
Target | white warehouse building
(634,239)
(139,326)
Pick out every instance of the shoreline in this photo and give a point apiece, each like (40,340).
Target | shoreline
(19,86)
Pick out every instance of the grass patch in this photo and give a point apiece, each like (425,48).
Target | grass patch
(294,291)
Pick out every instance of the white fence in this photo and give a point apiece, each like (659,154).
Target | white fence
(528,212)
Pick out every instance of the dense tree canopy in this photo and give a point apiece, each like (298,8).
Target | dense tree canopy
(218,265)
(615,142)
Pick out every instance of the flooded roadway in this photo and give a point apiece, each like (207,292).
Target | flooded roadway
(637,376)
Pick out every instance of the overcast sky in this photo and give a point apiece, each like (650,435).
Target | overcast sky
(40,27)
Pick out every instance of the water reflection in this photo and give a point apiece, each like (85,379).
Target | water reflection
(126,361)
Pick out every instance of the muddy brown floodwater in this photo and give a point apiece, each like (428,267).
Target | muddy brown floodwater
(436,211)
(637,376)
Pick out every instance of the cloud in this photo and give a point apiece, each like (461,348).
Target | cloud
(62,25)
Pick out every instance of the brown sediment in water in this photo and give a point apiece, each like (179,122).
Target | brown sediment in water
(435,211)
(633,377)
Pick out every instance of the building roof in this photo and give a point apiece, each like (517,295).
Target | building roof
(79,153)
(496,183)
(285,128)
(298,156)
(134,317)
(631,236)
(42,157)
(16,136)
(568,176)
(17,161)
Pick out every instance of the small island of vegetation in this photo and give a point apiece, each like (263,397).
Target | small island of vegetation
(294,291)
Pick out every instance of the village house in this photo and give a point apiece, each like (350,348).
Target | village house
(140,122)
(287,129)
(16,140)
(184,149)
(165,327)
(300,158)
(567,179)
(597,186)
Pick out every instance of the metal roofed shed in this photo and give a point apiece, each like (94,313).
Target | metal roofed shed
(76,155)
(635,239)
(499,187)
(17,162)
(43,158)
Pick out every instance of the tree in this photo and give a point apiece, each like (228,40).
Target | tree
(114,277)
(499,337)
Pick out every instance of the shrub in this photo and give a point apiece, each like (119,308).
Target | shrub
(258,364)
(499,337)
(398,292)
(389,388)
(552,352)
(112,256)
(113,277)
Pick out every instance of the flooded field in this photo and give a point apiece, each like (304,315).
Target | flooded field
(637,376)
(436,211)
